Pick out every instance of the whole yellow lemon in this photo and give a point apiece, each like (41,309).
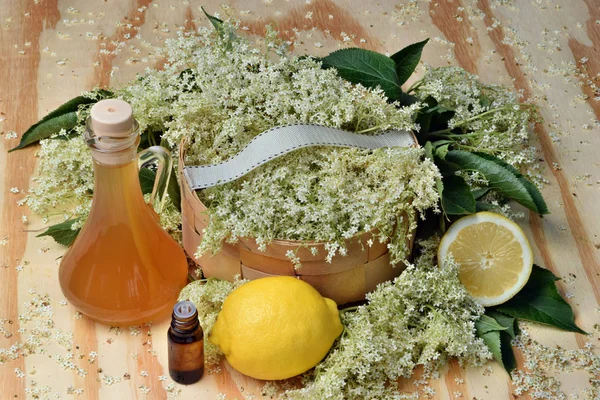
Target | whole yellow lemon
(275,328)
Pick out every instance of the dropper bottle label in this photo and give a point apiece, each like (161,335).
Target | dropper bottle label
(186,344)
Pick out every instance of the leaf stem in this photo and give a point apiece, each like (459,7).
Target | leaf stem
(470,148)
(466,135)
(415,85)
(374,128)
(488,112)
(441,132)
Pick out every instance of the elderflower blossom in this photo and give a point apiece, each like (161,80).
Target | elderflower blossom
(490,115)
(422,318)
(65,178)
(330,196)
(223,99)
(543,363)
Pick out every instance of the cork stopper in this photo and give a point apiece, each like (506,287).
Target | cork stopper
(112,118)
(112,133)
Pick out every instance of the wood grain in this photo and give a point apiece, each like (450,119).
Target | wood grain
(590,78)
(52,49)
(587,252)
(459,31)
(18,91)
(322,13)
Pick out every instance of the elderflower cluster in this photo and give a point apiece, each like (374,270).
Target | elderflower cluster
(329,195)
(65,183)
(422,318)
(229,92)
(488,117)
(433,319)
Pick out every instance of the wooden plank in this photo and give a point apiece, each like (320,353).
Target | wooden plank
(48,54)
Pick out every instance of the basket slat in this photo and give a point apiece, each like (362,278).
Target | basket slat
(342,287)
(268,265)
(251,273)
(221,265)
(377,249)
(380,270)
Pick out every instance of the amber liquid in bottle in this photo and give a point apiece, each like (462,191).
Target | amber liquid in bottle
(186,344)
(123,268)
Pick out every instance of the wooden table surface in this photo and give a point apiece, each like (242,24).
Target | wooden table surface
(51,50)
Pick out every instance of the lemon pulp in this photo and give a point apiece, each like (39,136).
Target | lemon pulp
(493,254)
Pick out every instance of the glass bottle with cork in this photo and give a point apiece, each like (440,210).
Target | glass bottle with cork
(123,268)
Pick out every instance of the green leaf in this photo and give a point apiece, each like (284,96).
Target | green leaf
(218,25)
(440,143)
(487,324)
(441,151)
(147,177)
(497,330)
(407,99)
(498,342)
(174,190)
(500,178)
(446,168)
(483,206)
(216,22)
(44,130)
(431,118)
(504,320)
(407,59)
(366,67)
(533,191)
(439,185)
(429,154)
(424,122)
(480,192)
(539,301)
(64,117)
(424,117)
(428,150)
(62,233)
(492,341)
(457,198)
(508,356)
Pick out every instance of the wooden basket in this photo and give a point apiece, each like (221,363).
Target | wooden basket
(346,279)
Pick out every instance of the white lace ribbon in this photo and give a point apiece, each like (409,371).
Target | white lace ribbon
(282,140)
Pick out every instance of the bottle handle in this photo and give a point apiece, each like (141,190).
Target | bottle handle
(163,158)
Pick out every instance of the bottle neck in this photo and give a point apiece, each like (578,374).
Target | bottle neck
(113,150)
(117,187)
(111,158)
(185,326)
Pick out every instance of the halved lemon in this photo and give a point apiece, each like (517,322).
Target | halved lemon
(493,254)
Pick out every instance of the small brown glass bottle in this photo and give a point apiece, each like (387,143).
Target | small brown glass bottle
(186,344)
